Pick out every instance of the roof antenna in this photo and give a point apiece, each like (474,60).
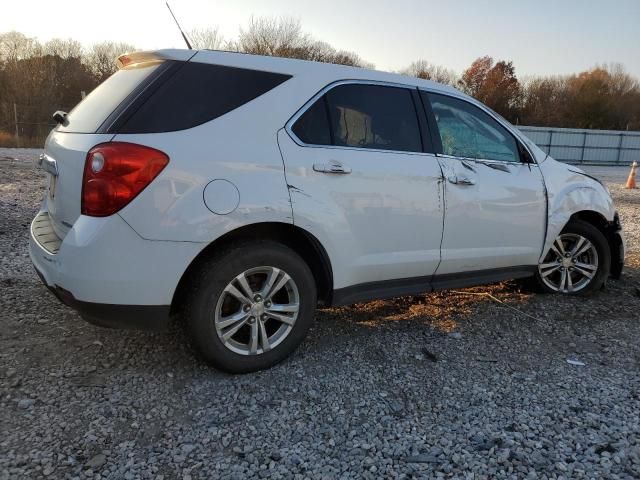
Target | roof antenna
(186,40)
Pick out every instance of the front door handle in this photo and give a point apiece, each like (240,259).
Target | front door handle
(461,180)
(331,167)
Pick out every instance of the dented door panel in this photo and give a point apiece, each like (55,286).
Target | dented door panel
(381,220)
(495,214)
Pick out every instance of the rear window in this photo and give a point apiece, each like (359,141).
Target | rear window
(198,93)
(90,113)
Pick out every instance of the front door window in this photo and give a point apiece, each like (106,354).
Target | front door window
(466,131)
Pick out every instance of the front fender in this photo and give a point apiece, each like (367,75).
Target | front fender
(570,192)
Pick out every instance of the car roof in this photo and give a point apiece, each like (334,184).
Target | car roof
(296,67)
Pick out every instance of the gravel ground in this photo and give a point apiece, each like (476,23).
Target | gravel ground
(466,384)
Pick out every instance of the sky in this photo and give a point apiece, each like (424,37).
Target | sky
(541,37)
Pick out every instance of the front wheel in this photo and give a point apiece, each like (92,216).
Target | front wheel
(251,306)
(578,261)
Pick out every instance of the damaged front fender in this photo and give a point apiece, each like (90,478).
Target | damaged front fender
(570,192)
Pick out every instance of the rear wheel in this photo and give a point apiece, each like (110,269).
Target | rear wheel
(250,307)
(578,261)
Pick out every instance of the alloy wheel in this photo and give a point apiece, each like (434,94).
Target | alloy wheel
(257,310)
(570,265)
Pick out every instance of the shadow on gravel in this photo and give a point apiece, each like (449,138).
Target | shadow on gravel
(45,333)
(442,310)
(449,310)
(495,322)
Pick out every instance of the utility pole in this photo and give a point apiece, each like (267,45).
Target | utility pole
(15,117)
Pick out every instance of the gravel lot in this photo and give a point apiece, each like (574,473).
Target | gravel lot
(466,384)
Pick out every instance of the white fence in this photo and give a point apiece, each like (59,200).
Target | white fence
(596,147)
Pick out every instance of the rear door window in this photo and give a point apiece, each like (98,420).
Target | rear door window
(89,114)
(313,126)
(198,93)
(374,116)
(362,116)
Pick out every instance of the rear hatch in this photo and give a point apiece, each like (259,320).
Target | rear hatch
(68,151)
(90,123)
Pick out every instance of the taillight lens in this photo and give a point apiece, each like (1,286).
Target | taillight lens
(115,173)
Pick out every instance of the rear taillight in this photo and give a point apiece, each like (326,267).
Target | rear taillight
(115,173)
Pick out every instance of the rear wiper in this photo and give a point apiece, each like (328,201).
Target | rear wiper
(60,117)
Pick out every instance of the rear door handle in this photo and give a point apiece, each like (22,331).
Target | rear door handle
(461,180)
(331,167)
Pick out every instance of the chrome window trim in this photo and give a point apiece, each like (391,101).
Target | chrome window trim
(482,107)
(486,160)
(302,110)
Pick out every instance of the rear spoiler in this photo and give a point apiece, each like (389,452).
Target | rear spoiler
(155,56)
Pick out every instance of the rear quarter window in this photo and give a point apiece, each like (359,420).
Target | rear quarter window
(198,93)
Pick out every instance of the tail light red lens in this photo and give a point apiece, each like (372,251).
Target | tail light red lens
(115,173)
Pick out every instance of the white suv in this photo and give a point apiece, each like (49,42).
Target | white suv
(243,191)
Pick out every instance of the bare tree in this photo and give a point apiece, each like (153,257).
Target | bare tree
(344,57)
(428,71)
(16,46)
(43,78)
(63,48)
(278,37)
(284,37)
(544,101)
(101,58)
(207,38)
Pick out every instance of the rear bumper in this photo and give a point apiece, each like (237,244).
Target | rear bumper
(136,317)
(110,275)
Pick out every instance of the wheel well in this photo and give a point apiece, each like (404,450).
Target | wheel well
(608,230)
(299,240)
(594,218)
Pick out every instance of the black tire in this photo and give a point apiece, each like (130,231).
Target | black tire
(595,236)
(207,285)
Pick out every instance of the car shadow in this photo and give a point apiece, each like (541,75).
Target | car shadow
(441,310)
(449,310)
(502,320)
(498,319)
